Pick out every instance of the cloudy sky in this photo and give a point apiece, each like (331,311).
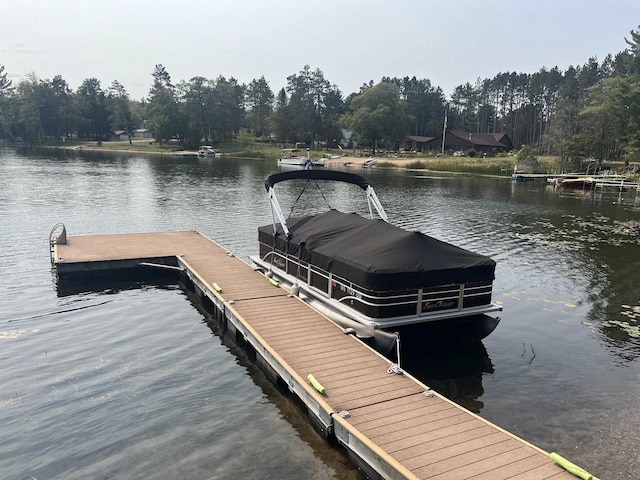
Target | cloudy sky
(450,42)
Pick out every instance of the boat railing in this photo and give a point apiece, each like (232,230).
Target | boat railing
(419,301)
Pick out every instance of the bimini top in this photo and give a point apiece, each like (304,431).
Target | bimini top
(331,175)
(374,254)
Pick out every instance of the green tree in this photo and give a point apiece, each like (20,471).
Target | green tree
(462,111)
(611,118)
(139,113)
(425,103)
(5,83)
(334,109)
(378,115)
(313,107)
(634,51)
(58,111)
(120,118)
(93,109)
(5,104)
(259,98)
(279,120)
(196,105)
(228,108)
(29,109)
(163,106)
(300,108)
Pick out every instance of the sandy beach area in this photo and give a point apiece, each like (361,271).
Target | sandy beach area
(359,161)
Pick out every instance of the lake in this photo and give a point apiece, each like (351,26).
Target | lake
(135,381)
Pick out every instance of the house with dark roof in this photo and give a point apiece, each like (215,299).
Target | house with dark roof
(416,143)
(456,140)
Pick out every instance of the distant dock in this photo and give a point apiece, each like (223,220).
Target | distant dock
(591,181)
(392,425)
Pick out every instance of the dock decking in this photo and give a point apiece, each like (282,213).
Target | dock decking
(393,426)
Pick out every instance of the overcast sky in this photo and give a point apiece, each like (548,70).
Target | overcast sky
(450,42)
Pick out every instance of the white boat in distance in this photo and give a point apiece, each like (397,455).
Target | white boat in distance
(292,157)
(206,151)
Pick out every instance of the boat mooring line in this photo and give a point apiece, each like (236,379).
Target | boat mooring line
(425,393)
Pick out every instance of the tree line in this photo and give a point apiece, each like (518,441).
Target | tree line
(590,110)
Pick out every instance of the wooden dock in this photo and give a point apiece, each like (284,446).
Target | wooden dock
(392,425)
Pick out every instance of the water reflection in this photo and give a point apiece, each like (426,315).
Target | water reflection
(566,349)
(329,453)
(591,238)
(449,364)
(114,281)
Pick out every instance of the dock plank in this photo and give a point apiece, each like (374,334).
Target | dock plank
(479,461)
(445,449)
(513,469)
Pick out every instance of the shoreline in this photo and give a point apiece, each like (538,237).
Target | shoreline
(343,161)
(494,166)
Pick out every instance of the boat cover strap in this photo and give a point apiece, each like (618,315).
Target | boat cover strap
(331,175)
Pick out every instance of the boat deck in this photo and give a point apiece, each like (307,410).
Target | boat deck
(391,425)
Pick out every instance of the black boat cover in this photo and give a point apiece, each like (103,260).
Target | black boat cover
(376,255)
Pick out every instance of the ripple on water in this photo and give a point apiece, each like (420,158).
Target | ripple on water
(120,384)
(132,384)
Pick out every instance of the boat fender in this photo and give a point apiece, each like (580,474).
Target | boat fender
(217,288)
(295,289)
(570,467)
(315,383)
(275,283)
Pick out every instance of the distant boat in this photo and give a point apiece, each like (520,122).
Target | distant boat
(206,151)
(577,182)
(292,157)
(369,162)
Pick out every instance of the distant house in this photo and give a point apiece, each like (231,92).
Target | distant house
(456,140)
(416,143)
(120,135)
(142,133)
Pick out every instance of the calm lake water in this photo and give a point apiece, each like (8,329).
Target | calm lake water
(137,381)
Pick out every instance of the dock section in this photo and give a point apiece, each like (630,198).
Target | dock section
(392,425)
